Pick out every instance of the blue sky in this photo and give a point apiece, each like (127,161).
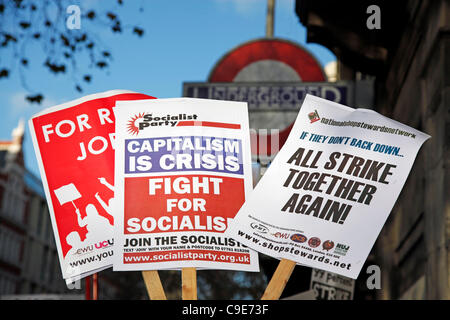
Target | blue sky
(182,42)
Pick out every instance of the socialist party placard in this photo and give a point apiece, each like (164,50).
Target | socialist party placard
(324,199)
(74,144)
(183,170)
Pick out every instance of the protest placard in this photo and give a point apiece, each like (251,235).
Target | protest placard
(74,144)
(324,199)
(331,286)
(183,170)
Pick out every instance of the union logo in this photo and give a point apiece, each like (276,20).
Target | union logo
(328,245)
(313,116)
(297,237)
(314,242)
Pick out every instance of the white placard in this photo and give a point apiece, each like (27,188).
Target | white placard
(324,199)
(183,170)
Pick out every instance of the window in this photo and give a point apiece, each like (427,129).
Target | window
(48,225)
(2,243)
(40,219)
(14,199)
(51,268)
(10,243)
(6,245)
(7,284)
(44,265)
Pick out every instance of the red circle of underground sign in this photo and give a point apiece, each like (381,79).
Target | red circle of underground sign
(284,51)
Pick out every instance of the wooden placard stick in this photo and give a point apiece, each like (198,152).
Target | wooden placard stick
(95,286)
(189,284)
(279,279)
(154,286)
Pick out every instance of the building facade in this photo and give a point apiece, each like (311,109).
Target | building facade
(28,257)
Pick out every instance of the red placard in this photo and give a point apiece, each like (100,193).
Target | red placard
(74,146)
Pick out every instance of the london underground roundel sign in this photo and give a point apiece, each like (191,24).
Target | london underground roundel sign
(267,60)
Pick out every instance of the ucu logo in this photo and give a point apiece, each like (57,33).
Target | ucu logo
(104,244)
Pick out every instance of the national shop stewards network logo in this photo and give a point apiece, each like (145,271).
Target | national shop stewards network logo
(313,116)
(143,120)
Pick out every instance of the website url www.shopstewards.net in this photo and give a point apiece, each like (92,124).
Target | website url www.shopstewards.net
(304,254)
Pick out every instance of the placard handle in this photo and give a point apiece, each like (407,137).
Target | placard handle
(279,279)
(154,286)
(189,283)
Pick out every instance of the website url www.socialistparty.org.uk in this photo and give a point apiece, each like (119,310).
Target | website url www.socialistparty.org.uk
(98,257)
(177,255)
(292,250)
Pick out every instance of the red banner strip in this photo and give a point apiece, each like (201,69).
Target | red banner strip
(208,124)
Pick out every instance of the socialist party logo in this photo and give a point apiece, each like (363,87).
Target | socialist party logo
(143,120)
